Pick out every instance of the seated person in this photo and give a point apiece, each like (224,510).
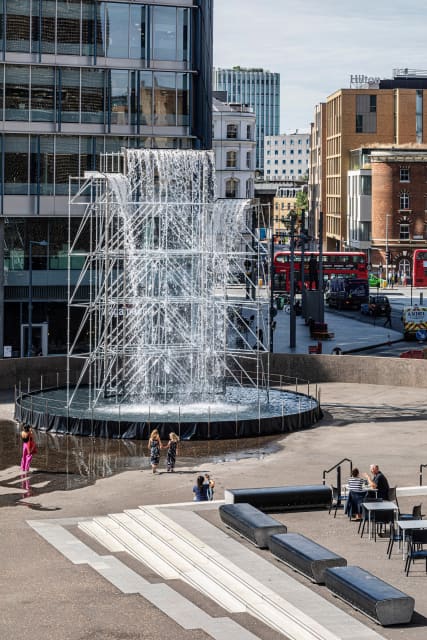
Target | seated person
(378,482)
(357,493)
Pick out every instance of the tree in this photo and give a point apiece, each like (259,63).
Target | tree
(301,200)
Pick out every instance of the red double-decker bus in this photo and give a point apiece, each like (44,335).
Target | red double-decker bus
(350,264)
(419,268)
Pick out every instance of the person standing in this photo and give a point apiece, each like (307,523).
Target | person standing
(202,487)
(154,446)
(28,448)
(171,454)
(378,481)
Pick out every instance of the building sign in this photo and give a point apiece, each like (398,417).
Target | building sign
(361,81)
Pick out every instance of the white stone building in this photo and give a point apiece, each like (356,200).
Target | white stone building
(235,147)
(287,156)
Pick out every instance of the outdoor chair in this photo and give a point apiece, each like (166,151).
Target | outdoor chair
(415,515)
(395,536)
(416,548)
(380,519)
(337,500)
(392,495)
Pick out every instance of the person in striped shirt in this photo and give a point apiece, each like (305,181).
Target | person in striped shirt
(357,488)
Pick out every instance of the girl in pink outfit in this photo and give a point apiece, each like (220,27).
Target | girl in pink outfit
(28,447)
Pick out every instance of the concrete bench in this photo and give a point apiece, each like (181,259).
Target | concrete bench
(318,496)
(304,555)
(249,522)
(377,599)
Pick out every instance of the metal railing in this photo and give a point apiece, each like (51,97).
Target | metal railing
(337,466)
(422,466)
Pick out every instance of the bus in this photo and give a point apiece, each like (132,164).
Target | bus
(419,268)
(350,264)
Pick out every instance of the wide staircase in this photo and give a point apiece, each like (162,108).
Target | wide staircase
(176,542)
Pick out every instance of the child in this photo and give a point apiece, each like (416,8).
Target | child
(171,455)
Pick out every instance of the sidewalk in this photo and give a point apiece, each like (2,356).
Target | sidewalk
(349,334)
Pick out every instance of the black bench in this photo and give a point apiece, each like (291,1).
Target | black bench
(379,600)
(304,555)
(318,496)
(249,522)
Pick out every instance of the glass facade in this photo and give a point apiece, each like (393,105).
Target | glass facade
(79,78)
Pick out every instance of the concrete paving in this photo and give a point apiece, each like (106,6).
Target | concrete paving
(83,594)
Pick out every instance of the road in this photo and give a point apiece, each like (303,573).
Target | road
(399,298)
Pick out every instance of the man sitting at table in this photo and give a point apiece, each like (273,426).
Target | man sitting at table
(378,481)
(357,493)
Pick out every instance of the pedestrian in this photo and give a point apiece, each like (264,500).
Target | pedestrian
(29,447)
(154,446)
(171,454)
(201,488)
(211,485)
(387,322)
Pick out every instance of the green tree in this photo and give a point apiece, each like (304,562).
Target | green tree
(301,201)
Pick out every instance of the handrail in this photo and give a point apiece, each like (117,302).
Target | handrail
(337,466)
(422,466)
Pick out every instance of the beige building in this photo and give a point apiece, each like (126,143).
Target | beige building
(385,113)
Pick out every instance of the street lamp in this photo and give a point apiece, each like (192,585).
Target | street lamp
(292,325)
(387,255)
(41,243)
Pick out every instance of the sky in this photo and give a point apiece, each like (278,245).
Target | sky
(316,45)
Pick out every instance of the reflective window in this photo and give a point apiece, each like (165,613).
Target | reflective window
(92,95)
(18,25)
(66,162)
(87,154)
(42,94)
(17,92)
(232,131)
(88,28)
(46,175)
(182,34)
(164,33)
(164,99)
(70,95)
(231,162)
(119,97)
(48,26)
(137,30)
(183,99)
(231,188)
(145,97)
(117,29)
(68,26)
(16,165)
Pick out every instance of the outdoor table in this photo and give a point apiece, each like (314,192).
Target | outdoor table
(410,525)
(385,505)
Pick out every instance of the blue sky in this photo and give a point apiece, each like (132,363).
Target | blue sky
(316,44)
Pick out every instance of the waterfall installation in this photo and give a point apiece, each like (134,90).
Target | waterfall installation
(177,315)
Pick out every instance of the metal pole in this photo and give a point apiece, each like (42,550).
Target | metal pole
(320,271)
(386,250)
(30,302)
(292,327)
(272,309)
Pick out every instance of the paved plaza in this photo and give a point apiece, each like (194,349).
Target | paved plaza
(72,586)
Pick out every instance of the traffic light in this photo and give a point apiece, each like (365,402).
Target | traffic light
(388,256)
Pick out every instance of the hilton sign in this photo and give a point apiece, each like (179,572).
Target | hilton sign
(358,79)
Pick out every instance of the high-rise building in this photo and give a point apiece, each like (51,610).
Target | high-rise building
(234,147)
(386,112)
(79,78)
(287,156)
(260,90)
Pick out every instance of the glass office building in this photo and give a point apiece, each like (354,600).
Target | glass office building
(260,90)
(79,78)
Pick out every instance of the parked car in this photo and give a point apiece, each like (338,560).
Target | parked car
(376,306)
(374,281)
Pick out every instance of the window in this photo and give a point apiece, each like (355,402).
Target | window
(404,200)
(231,188)
(276,153)
(248,160)
(299,152)
(404,231)
(292,152)
(268,143)
(404,174)
(365,185)
(366,113)
(232,131)
(248,132)
(231,160)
